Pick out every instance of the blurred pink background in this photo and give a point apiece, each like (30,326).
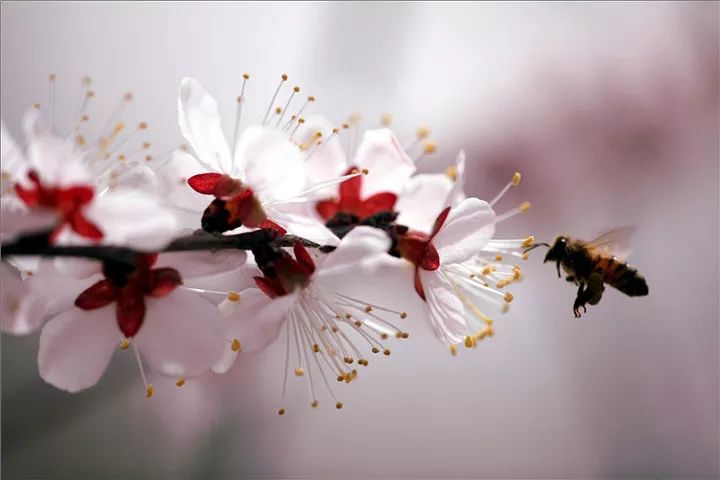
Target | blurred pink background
(610,111)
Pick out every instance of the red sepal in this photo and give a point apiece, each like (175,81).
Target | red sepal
(350,188)
(130,311)
(418,284)
(268,287)
(430,258)
(163,281)
(327,208)
(303,256)
(270,225)
(379,202)
(98,295)
(204,182)
(84,227)
(439,222)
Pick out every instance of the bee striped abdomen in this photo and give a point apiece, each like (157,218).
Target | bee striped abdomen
(622,276)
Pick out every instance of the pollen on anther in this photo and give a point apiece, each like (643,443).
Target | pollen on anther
(36,106)
(386,352)
(508,297)
(278,110)
(314,404)
(498,258)
(524,207)
(403,315)
(384,336)
(149,391)
(453,349)
(516,179)
(368,309)
(429,146)
(375,350)
(180,382)
(142,126)
(529,241)
(299,372)
(422,132)
(284,77)
(233,296)
(311,98)
(451,172)
(235,345)
(296,89)
(386,119)
(316,348)
(469,341)
(365,171)
(338,405)
(281,411)
(125,344)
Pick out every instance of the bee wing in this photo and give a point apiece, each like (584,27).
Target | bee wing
(615,242)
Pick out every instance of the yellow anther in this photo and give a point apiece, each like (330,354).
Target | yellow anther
(316,348)
(365,171)
(505,308)
(314,404)
(281,411)
(508,297)
(311,98)
(345,126)
(149,391)
(235,345)
(529,241)
(358,323)
(301,120)
(490,331)
(121,157)
(146,145)
(142,126)
(398,334)
(80,141)
(405,335)
(452,172)
(517,273)
(51,77)
(334,329)
(368,309)
(85,118)
(469,341)
(299,372)
(386,119)
(516,179)
(278,110)
(180,382)
(384,336)
(338,405)
(124,344)
(36,106)
(487,270)
(525,206)
(246,76)
(375,350)
(453,349)
(429,146)
(386,352)
(348,316)
(233,296)
(355,118)
(403,315)
(296,89)
(498,258)
(422,132)
(340,378)
(348,360)
(284,77)
(525,256)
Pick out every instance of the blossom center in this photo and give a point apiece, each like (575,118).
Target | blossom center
(350,201)
(284,274)
(69,203)
(127,288)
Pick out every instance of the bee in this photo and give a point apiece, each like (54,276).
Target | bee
(591,265)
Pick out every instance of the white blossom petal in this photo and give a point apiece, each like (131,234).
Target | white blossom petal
(422,199)
(202,263)
(22,312)
(328,160)
(181,335)
(76,347)
(270,164)
(305,227)
(359,249)
(466,230)
(388,165)
(199,120)
(457,193)
(256,319)
(446,309)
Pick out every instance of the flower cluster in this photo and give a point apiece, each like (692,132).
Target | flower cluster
(288,228)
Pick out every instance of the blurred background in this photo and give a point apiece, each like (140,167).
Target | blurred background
(610,110)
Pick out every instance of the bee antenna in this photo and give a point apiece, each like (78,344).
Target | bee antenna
(543,244)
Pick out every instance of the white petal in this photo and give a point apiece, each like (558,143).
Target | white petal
(132,218)
(306,227)
(256,319)
(174,188)
(12,158)
(136,175)
(360,248)
(16,218)
(270,164)
(57,289)
(466,230)
(446,309)
(53,157)
(422,199)
(200,125)
(76,347)
(202,263)
(388,165)
(22,312)
(181,335)
(328,160)
(226,361)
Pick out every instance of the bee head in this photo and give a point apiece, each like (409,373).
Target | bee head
(557,250)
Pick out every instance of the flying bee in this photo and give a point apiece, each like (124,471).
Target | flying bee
(590,265)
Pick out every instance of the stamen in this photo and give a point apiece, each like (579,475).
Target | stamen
(51,99)
(421,133)
(149,390)
(428,148)
(283,79)
(238,115)
(308,100)
(300,197)
(514,182)
(124,344)
(386,119)
(295,90)
(180,382)
(522,208)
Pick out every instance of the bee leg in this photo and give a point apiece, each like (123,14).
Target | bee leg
(580,301)
(557,264)
(595,287)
